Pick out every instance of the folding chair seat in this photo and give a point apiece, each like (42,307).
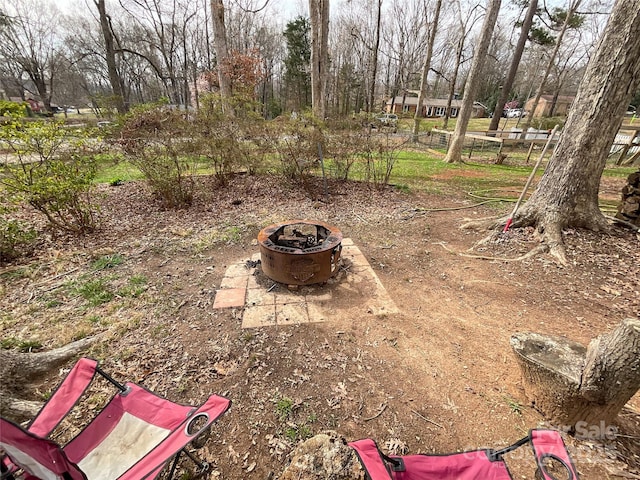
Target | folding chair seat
(133,437)
(548,448)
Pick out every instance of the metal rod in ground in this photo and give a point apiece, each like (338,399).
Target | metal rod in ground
(529,180)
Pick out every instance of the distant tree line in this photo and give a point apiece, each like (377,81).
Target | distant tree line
(116,54)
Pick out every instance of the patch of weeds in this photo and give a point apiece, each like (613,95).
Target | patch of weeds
(295,433)
(291,433)
(247,337)
(96,292)
(304,432)
(229,235)
(159,331)
(402,187)
(135,287)
(97,320)
(107,261)
(182,386)
(252,360)
(22,345)
(53,303)
(515,406)
(284,408)
(16,274)
(80,334)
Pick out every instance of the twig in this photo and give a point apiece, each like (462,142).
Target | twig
(427,420)
(48,280)
(383,407)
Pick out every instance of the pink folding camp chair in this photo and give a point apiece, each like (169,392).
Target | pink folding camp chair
(134,437)
(550,452)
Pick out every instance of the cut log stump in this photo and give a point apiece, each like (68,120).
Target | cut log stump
(578,387)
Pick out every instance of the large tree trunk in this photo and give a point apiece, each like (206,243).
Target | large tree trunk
(110,52)
(221,48)
(452,83)
(580,387)
(455,149)
(425,70)
(18,370)
(515,61)
(374,61)
(567,194)
(319,12)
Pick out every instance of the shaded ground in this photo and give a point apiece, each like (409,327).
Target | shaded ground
(437,377)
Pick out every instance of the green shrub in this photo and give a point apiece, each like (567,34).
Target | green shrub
(52,169)
(547,123)
(229,143)
(159,142)
(12,109)
(297,142)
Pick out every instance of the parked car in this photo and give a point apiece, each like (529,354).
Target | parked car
(515,113)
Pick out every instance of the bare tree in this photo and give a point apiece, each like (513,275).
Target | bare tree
(515,62)
(425,70)
(110,54)
(319,15)
(455,149)
(220,46)
(374,58)
(29,42)
(465,27)
(567,194)
(571,10)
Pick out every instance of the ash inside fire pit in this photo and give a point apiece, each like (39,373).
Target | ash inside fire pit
(300,235)
(300,252)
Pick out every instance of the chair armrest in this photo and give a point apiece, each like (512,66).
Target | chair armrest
(64,398)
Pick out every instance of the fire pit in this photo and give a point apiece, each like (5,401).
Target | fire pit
(300,252)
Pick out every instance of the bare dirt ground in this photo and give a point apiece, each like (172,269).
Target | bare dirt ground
(438,377)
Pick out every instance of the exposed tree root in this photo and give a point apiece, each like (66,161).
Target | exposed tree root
(19,369)
(539,249)
(486,223)
(548,228)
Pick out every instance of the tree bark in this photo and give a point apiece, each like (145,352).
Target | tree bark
(567,194)
(577,387)
(452,83)
(221,48)
(319,12)
(374,61)
(515,62)
(110,52)
(455,149)
(425,70)
(17,370)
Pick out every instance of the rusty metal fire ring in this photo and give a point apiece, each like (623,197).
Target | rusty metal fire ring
(300,252)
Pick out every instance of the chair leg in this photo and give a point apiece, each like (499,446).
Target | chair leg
(203,467)
(174,465)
